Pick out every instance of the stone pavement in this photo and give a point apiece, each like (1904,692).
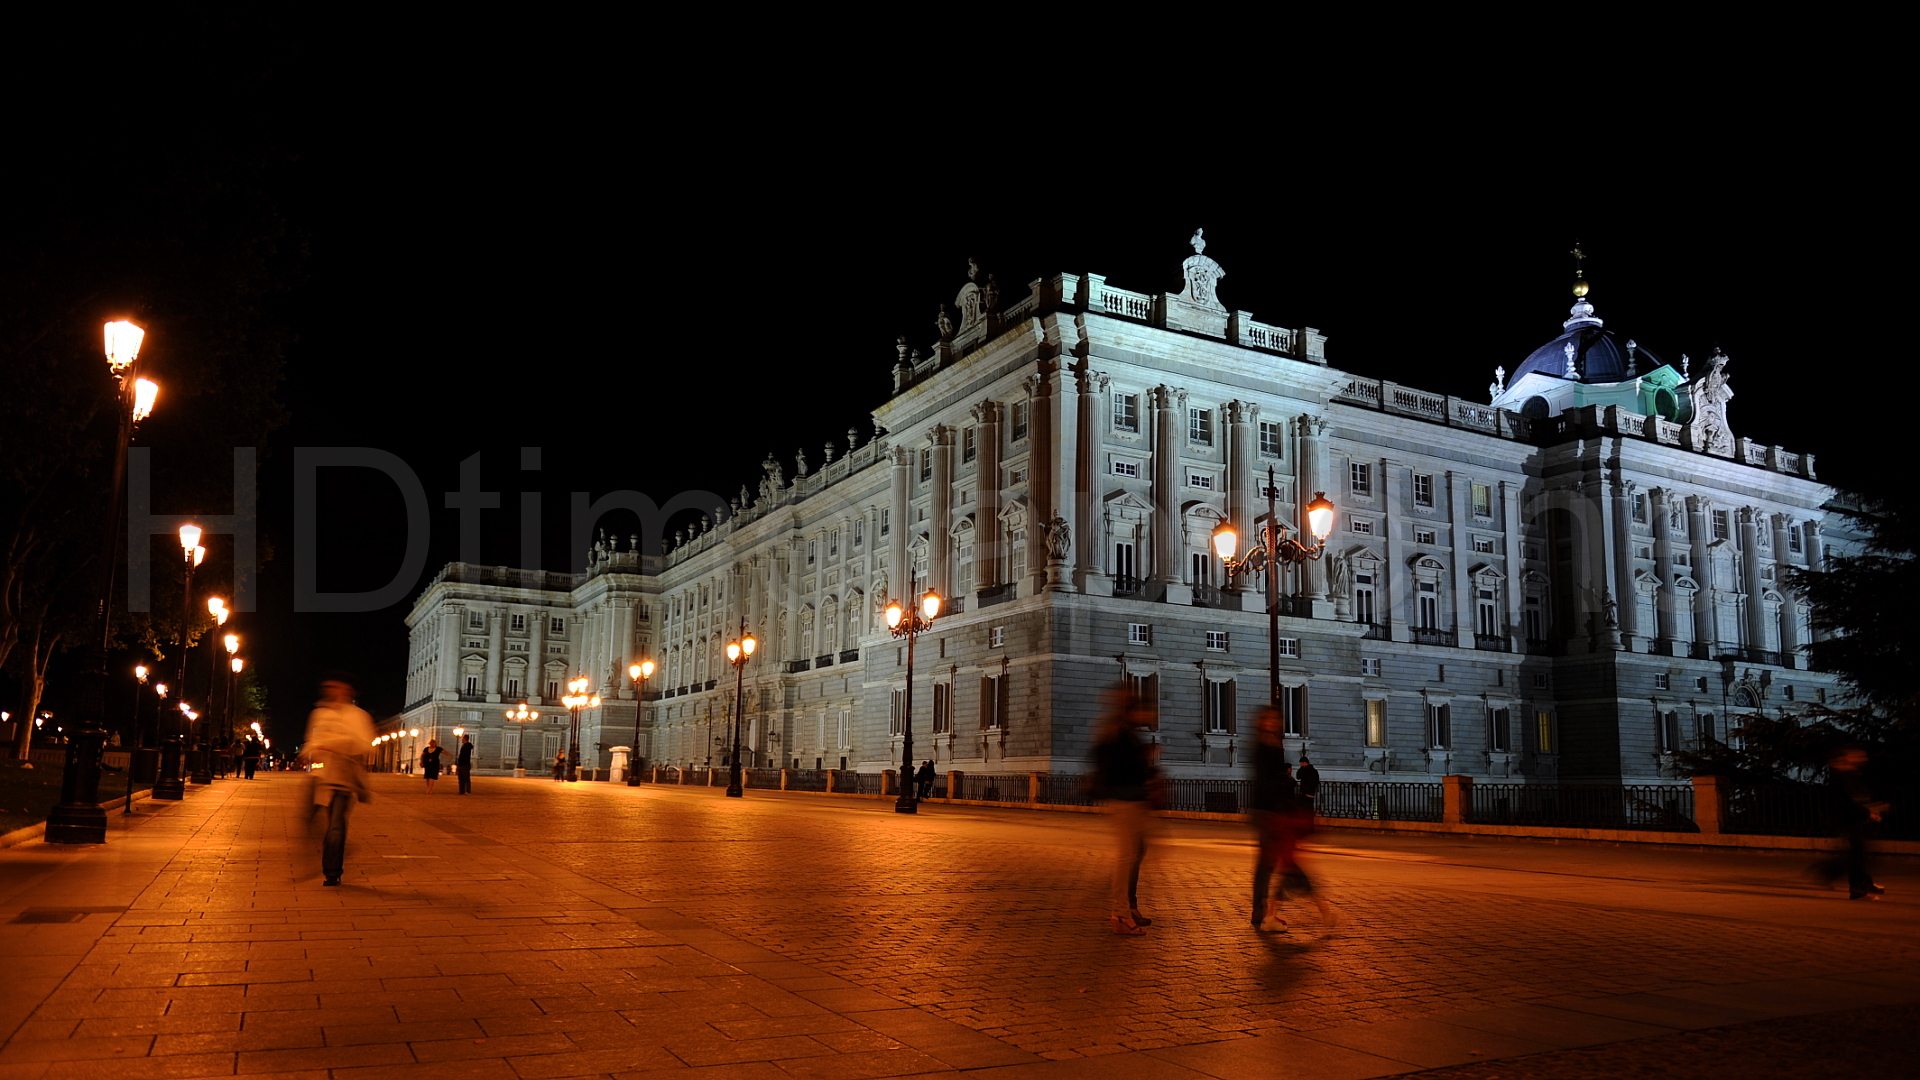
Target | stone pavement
(540,930)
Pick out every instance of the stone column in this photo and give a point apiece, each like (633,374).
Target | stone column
(990,546)
(1789,621)
(1310,470)
(1043,453)
(1244,501)
(452,626)
(1751,585)
(1467,604)
(940,516)
(1396,592)
(1167,433)
(1705,624)
(1625,593)
(536,655)
(1660,506)
(796,563)
(1509,496)
(1087,575)
(496,654)
(898,509)
(1816,560)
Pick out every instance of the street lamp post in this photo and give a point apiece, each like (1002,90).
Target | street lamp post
(203,755)
(521,715)
(639,673)
(739,651)
(133,735)
(77,819)
(1274,549)
(235,665)
(910,625)
(172,783)
(576,699)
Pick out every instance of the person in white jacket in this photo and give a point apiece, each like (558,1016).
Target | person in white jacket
(339,738)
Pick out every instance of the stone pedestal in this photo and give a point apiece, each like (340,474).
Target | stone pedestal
(618,774)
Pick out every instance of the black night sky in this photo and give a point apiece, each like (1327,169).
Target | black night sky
(659,291)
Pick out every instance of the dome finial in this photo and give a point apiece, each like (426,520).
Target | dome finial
(1579,271)
(1582,312)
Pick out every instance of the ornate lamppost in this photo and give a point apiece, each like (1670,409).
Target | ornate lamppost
(521,715)
(639,673)
(235,665)
(1274,549)
(172,782)
(576,699)
(203,755)
(133,736)
(739,651)
(77,819)
(910,625)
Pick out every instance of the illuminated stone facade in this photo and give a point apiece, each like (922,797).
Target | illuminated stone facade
(1557,585)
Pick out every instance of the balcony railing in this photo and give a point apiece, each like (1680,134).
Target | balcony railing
(1491,642)
(1429,635)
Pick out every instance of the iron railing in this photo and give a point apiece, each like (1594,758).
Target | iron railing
(993,788)
(806,779)
(1667,807)
(1378,800)
(1066,789)
(762,778)
(1208,796)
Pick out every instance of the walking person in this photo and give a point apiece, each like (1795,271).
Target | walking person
(1855,812)
(1280,820)
(560,765)
(430,762)
(1124,781)
(924,778)
(339,738)
(1305,791)
(463,764)
(250,757)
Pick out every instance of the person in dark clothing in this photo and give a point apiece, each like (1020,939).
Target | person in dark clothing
(1306,790)
(430,762)
(1855,812)
(1278,817)
(250,759)
(463,765)
(924,778)
(1124,780)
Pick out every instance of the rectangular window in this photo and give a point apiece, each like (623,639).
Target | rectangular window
(897,713)
(1533,613)
(859,532)
(1293,709)
(1017,546)
(1219,705)
(1439,726)
(1486,612)
(1483,545)
(1662,681)
(1500,730)
(1429,606)
(553,690)
(1216,641)
(1425,536)
(1270,439)
(1139,633)
(1126,412)
(833,542)
(1019,420)
(994,702)
(1543,731)
(813,552)
(1360,478)
(1370,665)
(1203,481)
(926,465)
(519,624)
(1639,506)
(1423,489)
(1703,729)
(1360,526)
(1482,501)
(942,708)
(557,627)
(475,620)
(1200,427)
(1363,604)
(1290,646)
(1540,680)
(1125,468)
(967,448)
(1126,565)
(996,637)
(1376,722)
(886,521)
(1793,541)
(513,688)
(1016,477)
(473,684)
(1720,525)
(1667,731)
(1203,563)
(1146,690)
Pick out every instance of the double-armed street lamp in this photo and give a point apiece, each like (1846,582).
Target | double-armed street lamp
(1275,549)
(203,755)
(235,665)
(78,819)
(910,624)
(576,699)
(739,651)
(521,715)
(172,782)
(639,673)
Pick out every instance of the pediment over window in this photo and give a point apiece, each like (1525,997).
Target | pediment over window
(1427,563)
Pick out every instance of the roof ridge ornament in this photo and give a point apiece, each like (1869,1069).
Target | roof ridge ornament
(1203,275)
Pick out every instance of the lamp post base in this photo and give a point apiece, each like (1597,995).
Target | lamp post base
(170,788)
(906,804)
(76,825)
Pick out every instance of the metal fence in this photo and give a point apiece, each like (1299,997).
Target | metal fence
(1667,807)
(1208,796)
(1779,810)
(761,778)
(1066,789)
(1378,800)
(985,788)
(806,779)
(853,783)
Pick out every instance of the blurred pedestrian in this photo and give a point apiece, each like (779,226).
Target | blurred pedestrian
(1124,781)
(463,764)
(1280,820)
(250,757)
(430,762)
(339,738)
(1855,812)
(924,778)
(560,765)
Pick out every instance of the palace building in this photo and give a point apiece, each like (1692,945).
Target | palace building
(1567,582)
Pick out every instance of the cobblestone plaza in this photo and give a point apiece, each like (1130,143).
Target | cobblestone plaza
(548,930)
